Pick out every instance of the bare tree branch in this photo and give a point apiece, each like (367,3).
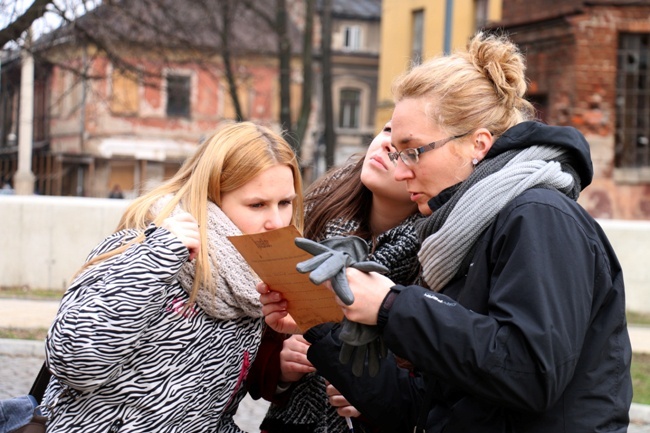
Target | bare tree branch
(284,52)
(13,31)
(262,12)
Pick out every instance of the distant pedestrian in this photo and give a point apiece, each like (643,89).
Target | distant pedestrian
(116,192)
(7,189)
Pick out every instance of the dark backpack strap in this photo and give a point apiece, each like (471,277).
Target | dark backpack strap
(40,384)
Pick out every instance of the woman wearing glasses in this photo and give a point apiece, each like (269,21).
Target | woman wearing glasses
(518,322)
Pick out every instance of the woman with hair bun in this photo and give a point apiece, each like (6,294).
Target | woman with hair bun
(518,321)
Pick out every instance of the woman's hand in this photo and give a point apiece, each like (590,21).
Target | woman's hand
(186,229)
(274,308)
(293,359)
(341,404)
(369,291)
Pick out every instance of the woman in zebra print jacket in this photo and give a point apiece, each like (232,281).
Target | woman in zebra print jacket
(158,330)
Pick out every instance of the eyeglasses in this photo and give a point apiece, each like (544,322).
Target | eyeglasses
(411,156)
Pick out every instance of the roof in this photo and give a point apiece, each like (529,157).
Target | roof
(549,10)
(355,9)
(175,24)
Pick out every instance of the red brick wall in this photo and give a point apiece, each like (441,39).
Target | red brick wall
(571,53)
(518,12)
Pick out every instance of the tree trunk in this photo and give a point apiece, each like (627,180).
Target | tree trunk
(328,106)
(226,55)
(284,51)
(307,73)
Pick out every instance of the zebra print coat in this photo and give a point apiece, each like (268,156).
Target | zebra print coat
(125,358)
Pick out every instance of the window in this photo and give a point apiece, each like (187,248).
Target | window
(352,38)
(633,102)
(124,99)
(349,108)
(480,13)
(178,96)
(417,42)
(540,102)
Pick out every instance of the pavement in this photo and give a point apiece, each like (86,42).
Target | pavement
(20,361)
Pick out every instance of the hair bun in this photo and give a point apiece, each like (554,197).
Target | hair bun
(501,61)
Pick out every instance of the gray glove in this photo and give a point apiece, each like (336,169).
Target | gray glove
(331,257)
(361,343)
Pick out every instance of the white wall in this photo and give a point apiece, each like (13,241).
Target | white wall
(44,240)
(631,241)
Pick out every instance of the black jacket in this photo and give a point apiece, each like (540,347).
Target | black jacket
(532,339)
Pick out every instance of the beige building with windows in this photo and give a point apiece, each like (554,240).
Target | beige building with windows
(356,42)
(414,30)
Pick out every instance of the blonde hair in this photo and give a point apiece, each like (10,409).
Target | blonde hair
(231,157)
(481,87)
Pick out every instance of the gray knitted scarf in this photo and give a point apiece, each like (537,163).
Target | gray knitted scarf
(451,231)
(231,293)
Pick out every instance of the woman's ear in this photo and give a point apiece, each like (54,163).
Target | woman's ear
(483,141)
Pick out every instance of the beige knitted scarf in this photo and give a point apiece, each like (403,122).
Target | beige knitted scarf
(231,293)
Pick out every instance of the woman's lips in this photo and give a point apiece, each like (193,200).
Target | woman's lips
(379,161)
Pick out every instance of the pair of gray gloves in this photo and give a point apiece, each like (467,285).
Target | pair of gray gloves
(360,343)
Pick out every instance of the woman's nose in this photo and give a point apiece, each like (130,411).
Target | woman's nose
(402,172)
(385,145)
(274,220)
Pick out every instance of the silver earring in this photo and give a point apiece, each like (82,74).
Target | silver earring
(474,161)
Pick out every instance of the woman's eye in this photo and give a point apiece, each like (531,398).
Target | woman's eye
(286,203)
(256,205)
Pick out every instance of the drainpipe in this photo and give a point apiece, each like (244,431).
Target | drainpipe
(82,124)
(449,22)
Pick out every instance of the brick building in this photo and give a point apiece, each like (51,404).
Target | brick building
(98,123)
(588,67)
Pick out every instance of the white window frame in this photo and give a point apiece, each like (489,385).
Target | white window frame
(352,38)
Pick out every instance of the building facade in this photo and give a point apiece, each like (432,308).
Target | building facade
(98,125)
(355,48)
(355,62)
(414,30)
(588,66)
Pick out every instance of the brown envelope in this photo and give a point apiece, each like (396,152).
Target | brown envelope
(273,256)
